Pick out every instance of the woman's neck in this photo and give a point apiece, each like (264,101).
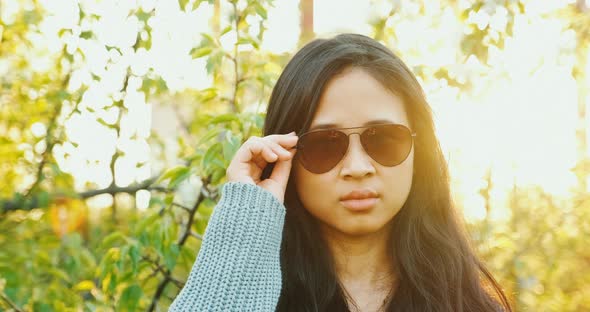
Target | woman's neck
(362,261)
(363,266)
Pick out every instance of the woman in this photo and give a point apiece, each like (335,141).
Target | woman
(352,214)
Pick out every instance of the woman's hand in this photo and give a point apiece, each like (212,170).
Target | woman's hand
(254,155)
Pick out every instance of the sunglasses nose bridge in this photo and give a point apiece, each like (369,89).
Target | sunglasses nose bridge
(356,161)
(351,133)
(360,144)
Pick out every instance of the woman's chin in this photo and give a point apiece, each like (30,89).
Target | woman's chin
(357,229)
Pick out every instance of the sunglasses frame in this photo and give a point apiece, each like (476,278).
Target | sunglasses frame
(412,134)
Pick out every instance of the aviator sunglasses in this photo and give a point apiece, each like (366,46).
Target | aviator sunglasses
(321,150)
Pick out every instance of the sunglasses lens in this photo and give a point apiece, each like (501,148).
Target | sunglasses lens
(389,145)
(322,150)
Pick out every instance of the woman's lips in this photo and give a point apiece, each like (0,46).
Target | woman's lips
(359,204)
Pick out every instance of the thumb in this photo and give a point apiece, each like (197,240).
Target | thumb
(281,171)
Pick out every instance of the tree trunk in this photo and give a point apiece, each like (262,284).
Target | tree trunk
(216,19)
(579,73)
(306,9)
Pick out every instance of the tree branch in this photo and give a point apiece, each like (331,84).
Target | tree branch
(131,189)
(197,236)
(16,204)
(117,127)
(49,140)
(235,59)
(10,303)
(185,208)
(181,241)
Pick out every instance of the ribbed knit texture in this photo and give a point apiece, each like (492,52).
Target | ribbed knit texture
(238,266)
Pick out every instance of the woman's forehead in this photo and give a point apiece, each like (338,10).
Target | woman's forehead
(355,98)
(345,116)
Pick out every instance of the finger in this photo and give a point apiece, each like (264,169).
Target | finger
(289,142)
(261,151)
(284,140)
(260,162)
(281,151)
(280,136)
(251,148)
(281,171)
(256,147)
(268,154)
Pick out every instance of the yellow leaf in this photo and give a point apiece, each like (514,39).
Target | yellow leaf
(84,285)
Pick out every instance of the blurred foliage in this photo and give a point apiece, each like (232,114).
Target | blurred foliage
(57,254)
(54,257)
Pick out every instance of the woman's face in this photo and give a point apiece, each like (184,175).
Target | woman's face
(352,99)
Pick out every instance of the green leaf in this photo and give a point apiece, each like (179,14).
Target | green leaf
(107,263)
(208,94)
(259,120)
(113,282)
(86,35)
(111,239)
(217,175)
(224,118)
(225,30)
(130,298)
(156,241)
(172,173)
(42,307)
(63,31)
(106,124)
(135,256)
(200,52)
(211,157)
(169,199)
(207,40)
(179,178)
(87,259)
(170,256)
(127,278)
(230,145)
(143,16)
(249,40)
(260,10)
(32,16)
(244,40)
(43,199)
(143,224)
(208,136)
(156,201)
(56,272)
(182,4)
(214,62)
(122,260)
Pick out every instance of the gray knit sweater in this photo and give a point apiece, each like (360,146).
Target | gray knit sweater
(238,266)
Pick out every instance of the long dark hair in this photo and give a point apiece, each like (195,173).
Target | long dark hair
(436,268)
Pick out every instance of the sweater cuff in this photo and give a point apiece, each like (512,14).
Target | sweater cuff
(257,199)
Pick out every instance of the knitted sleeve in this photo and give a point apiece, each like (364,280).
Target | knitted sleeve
(238,265)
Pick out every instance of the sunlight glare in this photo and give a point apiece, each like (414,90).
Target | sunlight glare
(352,12)
(283,29)
(142,199)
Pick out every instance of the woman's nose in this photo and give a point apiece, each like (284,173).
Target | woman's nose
(356,162)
